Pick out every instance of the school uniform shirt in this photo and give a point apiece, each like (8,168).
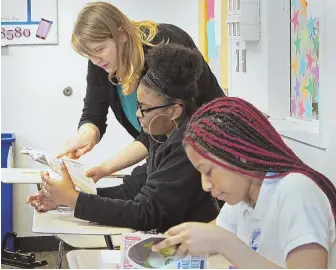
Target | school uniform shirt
(290,212)
(102,94)
(158,195)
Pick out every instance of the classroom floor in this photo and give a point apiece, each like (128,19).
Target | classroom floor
(50,256)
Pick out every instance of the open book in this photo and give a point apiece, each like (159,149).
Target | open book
(75,169)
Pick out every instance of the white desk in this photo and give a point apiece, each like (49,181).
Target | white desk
(21,176)
(32,176)
(56,222)
(109,259)
(88,241)
(109,182)
(74,231)
(93,259)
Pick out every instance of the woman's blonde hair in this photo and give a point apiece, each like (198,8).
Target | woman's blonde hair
(99,21)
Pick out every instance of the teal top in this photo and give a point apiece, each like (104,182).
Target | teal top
(129,106)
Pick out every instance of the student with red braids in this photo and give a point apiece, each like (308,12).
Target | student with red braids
(279,212)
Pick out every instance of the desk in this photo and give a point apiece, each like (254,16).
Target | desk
(21,176)
(109,259)
(93,259)
(109,182)
(64,222)
(77,237)
(32,176)
(88,241)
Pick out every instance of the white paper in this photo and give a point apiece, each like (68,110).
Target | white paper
(75,169)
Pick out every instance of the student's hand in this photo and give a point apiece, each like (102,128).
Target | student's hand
(97,173)
(87,137)
(63,191)
(193,238)
(41,202)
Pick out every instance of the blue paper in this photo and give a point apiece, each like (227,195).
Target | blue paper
(211,35)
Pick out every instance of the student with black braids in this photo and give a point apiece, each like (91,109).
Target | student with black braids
(167,189)
(279,212)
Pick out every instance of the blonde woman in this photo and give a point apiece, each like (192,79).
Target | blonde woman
(116,48)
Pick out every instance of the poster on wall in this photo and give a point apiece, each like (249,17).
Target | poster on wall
(305,58)
(28,22)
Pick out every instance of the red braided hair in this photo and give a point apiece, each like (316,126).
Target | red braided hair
(235,131)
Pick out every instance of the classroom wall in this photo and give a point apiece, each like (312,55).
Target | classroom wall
(260,55)
(264,71)
(33,78)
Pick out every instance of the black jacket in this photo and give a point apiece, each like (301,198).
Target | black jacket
(102,94)
(164,192)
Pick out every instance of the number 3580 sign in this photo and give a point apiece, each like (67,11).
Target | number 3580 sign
(17,32)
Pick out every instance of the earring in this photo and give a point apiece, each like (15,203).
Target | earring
(151,123)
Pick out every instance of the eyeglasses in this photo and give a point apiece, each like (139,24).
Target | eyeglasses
(139,106)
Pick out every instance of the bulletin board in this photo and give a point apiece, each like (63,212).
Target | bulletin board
(306,21)
(28,22)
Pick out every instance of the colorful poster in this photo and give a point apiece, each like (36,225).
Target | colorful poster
(211,28)
(305,77)
(211,36)
(211,9)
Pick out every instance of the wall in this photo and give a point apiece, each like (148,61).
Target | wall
(33,78)
(267,70)
(262,72)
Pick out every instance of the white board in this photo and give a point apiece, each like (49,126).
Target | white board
(28,22)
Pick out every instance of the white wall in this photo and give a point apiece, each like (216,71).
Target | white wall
(266,68)
(261,57)
(33,78)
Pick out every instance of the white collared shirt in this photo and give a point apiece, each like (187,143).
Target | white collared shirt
(290,211)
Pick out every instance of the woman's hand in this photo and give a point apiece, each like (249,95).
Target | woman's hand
(87,137)
(193,238)
(62,191)
(97,173)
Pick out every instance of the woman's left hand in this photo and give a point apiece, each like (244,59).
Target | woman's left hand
(62,191)
(194,238)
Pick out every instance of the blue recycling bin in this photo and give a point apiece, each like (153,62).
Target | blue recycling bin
(7,141)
